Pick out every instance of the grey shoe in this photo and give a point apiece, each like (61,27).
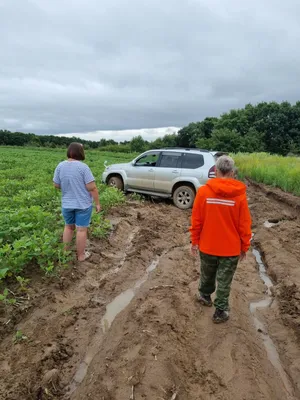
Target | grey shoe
(220,316)
(205,300)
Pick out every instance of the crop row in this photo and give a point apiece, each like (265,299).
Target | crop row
(30,215)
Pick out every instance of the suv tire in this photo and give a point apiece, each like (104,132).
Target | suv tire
(183,197)
(116,182)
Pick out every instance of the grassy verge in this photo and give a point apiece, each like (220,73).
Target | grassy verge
(277,171)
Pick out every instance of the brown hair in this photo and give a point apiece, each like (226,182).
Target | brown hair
(76,151)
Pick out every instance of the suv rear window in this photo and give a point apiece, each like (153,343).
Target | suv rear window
(170,160)
(192,161)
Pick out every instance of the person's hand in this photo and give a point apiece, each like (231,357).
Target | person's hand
(194,250)
(98,208)
(243,256)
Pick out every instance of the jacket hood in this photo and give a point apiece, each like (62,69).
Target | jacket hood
(227,187)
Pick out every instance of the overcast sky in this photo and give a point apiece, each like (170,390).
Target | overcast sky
(69,66)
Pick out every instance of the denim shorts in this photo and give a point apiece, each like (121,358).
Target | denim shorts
(80,218)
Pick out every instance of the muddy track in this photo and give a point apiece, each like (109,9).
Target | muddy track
(126,325)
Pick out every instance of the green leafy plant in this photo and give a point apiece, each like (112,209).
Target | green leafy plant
(136,197)
(19,337)
(3,272)
(31,224)
(23,283)
(4,297)
(101,227)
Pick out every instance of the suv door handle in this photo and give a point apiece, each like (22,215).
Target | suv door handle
(151,170)
(175,171)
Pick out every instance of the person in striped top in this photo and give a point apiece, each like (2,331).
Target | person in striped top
(77,184)
(221,230)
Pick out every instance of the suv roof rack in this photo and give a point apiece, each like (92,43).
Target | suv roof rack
(185,149)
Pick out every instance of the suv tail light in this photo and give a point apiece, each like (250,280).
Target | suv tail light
(212,172)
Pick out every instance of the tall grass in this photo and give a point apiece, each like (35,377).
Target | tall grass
(278,171)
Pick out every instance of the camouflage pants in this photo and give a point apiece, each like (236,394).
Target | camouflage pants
(221,269)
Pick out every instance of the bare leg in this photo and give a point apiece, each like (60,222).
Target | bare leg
(81,236)
(68,235)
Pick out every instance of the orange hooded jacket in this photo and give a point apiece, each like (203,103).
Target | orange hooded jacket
(221,221)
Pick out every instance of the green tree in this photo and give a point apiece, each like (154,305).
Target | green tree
(138,144)
(186,135)
(271,127)
(253,142)
(166,141)
(222,140)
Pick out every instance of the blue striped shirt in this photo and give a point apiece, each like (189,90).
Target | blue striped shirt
(72,176)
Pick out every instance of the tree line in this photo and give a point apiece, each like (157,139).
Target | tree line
(266,127)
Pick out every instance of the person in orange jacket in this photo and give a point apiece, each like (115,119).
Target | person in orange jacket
(221,230)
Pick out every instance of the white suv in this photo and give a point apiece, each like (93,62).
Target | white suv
(171,173)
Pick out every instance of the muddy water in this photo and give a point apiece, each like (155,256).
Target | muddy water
(268,224)
(263,271)
(118,304)
(268,342)
(122,301)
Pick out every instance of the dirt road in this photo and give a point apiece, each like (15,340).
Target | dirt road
(126,326)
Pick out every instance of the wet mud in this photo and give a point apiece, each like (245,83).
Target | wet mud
(126,324)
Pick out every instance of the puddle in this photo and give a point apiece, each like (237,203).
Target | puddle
(122,301)
(268,224)
(268,342)
(263,271)
(118,304)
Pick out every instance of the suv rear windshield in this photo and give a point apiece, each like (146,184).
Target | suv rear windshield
(192,161)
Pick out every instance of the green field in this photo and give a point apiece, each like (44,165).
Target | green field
(30,220)
(278,171)
(30,216)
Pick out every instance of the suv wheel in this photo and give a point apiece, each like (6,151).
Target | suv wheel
(116,182)
(183,197)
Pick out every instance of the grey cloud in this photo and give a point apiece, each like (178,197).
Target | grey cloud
(76,66)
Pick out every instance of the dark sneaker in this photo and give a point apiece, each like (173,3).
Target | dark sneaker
(204,300)
(220,316)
